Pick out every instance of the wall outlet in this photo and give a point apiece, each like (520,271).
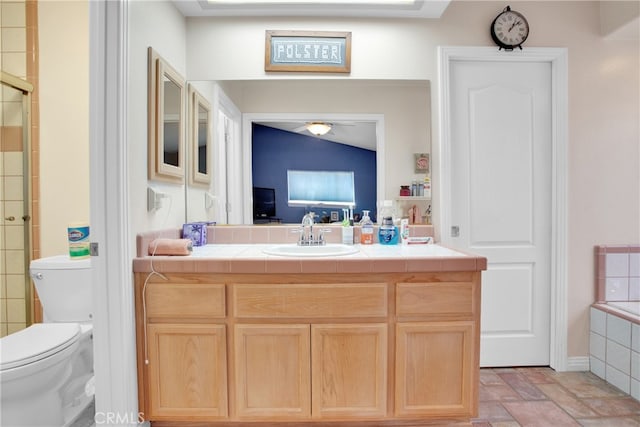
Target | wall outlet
(154,199)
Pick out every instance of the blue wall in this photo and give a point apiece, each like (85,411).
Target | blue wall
(274,151)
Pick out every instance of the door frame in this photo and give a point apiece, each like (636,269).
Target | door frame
(558,59)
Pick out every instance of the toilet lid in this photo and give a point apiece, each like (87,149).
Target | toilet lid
(36,342)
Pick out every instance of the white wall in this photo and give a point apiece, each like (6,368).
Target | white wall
(157,24)
(64,121)
(604,151)
(604,175)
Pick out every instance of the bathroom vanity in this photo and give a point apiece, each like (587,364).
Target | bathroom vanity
(385,336)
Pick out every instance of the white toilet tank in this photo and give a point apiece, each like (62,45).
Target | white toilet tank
(64,287)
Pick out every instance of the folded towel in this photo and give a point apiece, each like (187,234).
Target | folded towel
(171,247)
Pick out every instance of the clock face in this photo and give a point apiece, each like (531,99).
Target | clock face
(510,29)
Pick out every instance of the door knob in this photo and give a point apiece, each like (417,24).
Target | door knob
(10,218)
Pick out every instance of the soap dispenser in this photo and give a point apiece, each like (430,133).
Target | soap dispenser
(366,231)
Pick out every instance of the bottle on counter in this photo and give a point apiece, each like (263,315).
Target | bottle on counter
(366,231)
(386,210)
(388,233)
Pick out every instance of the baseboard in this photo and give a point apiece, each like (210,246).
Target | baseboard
(580,363)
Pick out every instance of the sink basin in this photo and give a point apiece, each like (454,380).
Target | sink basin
(311,251)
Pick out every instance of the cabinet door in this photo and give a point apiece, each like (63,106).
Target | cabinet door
(436,372)
(349,370)
(272,371)
(187,371)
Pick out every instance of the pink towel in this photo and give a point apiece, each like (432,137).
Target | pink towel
(170,247)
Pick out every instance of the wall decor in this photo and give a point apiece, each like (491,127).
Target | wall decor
(421,162)
(308,51)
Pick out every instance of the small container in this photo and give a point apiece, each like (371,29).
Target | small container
(388,233)
(347,228)
(196,231)
(366,232)
(79,244)
(404,230)
(427,187)
(414,188)
(405,190)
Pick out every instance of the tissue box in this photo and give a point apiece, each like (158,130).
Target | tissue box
(196,231)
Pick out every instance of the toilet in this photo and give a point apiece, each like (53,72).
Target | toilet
(46,370)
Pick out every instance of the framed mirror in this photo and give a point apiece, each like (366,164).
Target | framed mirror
(199,138)
(166,121)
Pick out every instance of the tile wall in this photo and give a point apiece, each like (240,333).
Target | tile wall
(618,273)
(614,341)
(614,348)
(18,56)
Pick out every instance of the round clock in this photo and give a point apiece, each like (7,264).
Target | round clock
(510,29)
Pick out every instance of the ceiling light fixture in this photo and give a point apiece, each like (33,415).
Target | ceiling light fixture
(318,128)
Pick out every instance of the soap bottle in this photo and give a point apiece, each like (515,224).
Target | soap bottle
(366,232)
(347,228)
(388,233)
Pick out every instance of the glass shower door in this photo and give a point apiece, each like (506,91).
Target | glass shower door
(15,297)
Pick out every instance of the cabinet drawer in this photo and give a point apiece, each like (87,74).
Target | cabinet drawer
(310,300)
(172,300)
(442,298)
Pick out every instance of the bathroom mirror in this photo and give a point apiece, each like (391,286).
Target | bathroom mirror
(166,121)
(289,103)
(199,138)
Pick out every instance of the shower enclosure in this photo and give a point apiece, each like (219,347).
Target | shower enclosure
(15,203)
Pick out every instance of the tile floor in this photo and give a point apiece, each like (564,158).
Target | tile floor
(512,397)
(532,397)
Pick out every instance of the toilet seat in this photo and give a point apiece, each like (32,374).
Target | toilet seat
(36,342)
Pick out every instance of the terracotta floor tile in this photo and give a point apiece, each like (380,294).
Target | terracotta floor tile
(566,400)
(490,377)
(539,413)
(537,375)
(615,407)
(498,392)
(493,412)
(522,386)
(609,422)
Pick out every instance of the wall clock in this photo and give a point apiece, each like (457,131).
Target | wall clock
(510,29)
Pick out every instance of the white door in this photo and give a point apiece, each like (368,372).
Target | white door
(501,136)
(228,160)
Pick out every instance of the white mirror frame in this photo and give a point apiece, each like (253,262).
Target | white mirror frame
(159,69)
(196,102)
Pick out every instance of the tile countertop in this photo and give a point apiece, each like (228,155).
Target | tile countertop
(250,259)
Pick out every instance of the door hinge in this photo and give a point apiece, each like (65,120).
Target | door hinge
(93,248)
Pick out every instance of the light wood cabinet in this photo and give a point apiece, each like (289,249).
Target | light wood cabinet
(187,371)
(243,348)
(434,368)
(273,376)
(349,370)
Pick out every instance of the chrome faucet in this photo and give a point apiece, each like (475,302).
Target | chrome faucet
(307,236)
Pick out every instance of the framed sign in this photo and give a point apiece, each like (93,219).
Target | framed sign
(421,163)
(308,51)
